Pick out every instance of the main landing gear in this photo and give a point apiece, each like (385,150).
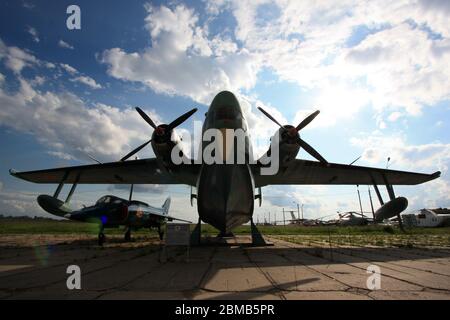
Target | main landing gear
(196,234)
(257,238)
(101,236)
(127,236)
(160,233)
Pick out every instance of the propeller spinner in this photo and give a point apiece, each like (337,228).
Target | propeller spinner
(292,132)
(161,129)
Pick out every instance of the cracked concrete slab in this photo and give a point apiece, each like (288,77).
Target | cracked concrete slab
(287,270)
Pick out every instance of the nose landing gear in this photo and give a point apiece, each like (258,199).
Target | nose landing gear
(101,236)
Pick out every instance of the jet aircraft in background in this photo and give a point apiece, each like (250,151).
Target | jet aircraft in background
(112,212)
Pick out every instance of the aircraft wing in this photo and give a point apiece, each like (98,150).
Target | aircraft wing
(144,171)
(314,172)
(172,218)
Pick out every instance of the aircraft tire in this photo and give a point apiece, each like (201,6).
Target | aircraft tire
(127,236)
(101,239)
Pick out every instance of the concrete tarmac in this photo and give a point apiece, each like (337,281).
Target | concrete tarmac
(34,267)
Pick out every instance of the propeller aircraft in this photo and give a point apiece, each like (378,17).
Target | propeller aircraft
(226,193)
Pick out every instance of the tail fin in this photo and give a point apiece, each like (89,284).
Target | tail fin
(166,206)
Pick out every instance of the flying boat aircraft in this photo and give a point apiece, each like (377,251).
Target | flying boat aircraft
(226,193)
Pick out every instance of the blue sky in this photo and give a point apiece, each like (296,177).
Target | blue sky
(377,71)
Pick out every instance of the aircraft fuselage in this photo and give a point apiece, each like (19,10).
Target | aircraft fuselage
(225,192)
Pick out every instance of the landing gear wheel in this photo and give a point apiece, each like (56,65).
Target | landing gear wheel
(101,238)
(128,235)
(161,233)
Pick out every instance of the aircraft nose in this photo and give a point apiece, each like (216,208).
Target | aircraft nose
(225,98)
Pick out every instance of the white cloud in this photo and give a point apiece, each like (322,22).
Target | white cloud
(34,34)
(182,60)
(314,43)
(426,158)
(61,155)
(67,126)
(65,45)
(16,59)
(87,81)
(400,64)
(394,116)
(38,80)
(19,204)
(68,68)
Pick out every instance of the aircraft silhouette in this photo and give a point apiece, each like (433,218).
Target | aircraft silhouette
(226,193)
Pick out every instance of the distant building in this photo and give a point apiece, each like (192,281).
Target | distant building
(427,218)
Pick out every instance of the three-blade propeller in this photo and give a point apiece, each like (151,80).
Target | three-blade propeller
(293,131)
(159,130)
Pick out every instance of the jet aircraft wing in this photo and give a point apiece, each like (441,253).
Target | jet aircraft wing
(170,218)
(314,172)
(143,171)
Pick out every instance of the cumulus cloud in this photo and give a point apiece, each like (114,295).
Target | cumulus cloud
(65,45)
(65,124)
(426,158)
(87,81)
(20,204)
(182,59)
(388,54)
(349,54)
(16,59)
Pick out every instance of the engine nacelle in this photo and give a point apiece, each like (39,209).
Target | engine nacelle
(53,205)
(391,209)
(288,146)
(163,143)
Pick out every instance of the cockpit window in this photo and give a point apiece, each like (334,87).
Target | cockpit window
(104,199)
(226,113)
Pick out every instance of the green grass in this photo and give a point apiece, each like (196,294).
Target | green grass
(47,226)
(334,230)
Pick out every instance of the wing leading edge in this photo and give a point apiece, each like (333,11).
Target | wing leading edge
(299,172)
(312,172)
(145,171)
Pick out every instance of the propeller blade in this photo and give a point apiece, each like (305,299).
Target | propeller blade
(270,117)
(307,120)
(175,123)
(311,151)
(146,117)
(135,150)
